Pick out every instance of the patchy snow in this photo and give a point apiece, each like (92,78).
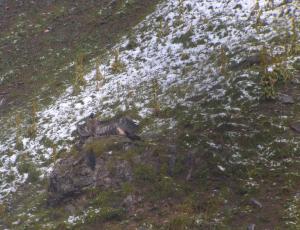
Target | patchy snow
(178,47)
(80,219)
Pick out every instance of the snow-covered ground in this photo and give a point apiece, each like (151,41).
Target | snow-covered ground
(179,47)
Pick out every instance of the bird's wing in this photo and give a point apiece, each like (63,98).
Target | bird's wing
(127,125)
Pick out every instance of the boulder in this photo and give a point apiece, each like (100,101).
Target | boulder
(107,163)
(90,168)
(295,127)
(286,99)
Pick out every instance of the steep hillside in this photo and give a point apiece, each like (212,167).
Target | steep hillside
(214,87)
(39,40)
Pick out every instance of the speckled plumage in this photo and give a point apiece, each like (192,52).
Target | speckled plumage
(123,126)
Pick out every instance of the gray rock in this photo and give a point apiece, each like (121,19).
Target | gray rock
(131,200)
(251,227)
(74,174)
(172,160)
(2,101)
(286,99)
(91,160)
(295,81)
(295,126)
(256,203)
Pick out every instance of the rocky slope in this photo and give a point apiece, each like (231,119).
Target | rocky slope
(215,152)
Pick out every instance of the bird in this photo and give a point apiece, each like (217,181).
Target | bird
(87,129)
(123,126)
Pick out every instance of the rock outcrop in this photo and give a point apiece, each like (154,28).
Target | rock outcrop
(97,162)
(90,168)
(107,162)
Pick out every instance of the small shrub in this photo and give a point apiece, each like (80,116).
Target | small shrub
(2,209)
(181,8)
(294,36)
(127,188)
(112,214)
(33,174)
(10,178)
(256,7)
(155,91)
(185,56)
(165,188)
(54,152)
(102,198)
(185,39)
(26,166)
(179,20)
(286,44)
(117,66)
(31,132)
(224,61)
(105,214)
(180,223)
(163,29)
(144,173)
(258,19)
(282,73)
(296,65)
(98,77)
(267,79)
(47,142)
(79,73)
(132,43)
(19,144)
(270,78)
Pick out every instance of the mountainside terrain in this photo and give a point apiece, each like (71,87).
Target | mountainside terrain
(213,87)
